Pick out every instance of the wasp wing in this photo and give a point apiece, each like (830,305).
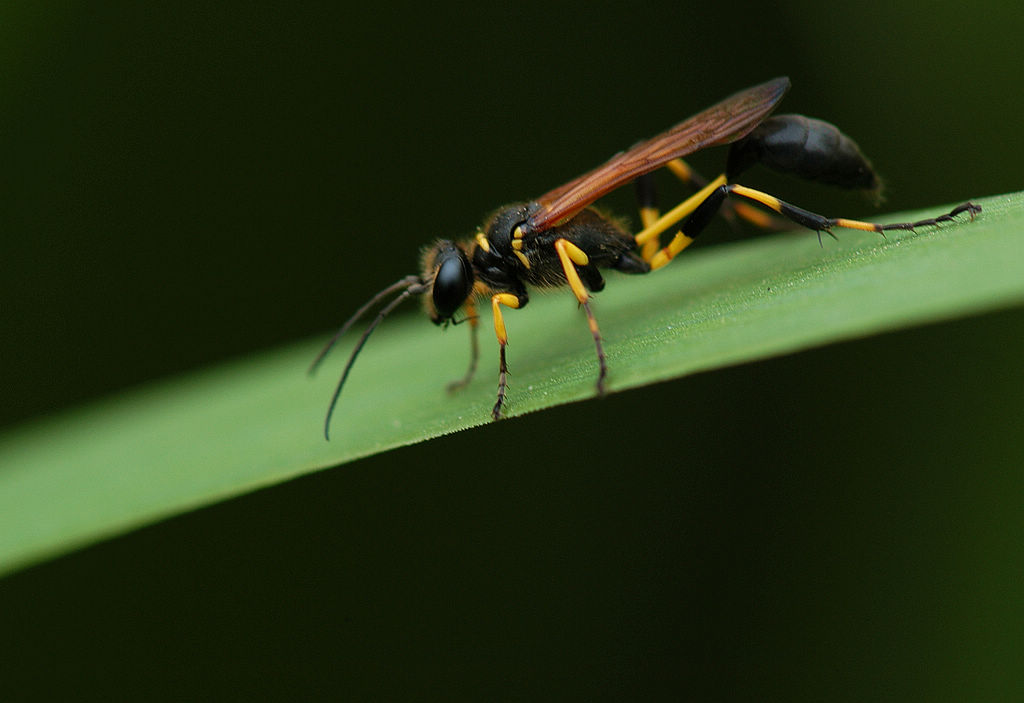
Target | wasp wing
(725,122)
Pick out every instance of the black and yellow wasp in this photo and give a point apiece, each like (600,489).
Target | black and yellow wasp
(558,239)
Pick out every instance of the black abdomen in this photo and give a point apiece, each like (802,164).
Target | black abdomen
(804,147)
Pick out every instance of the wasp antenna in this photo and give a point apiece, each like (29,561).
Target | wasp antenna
(467,318)
(407,282)
(413,286)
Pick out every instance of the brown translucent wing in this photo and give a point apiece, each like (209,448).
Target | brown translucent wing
(725,122)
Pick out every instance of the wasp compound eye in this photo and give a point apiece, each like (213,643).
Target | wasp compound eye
(453,282)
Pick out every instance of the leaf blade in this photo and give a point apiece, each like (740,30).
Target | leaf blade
(187,442)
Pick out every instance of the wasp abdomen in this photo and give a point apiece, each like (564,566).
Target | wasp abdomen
(805,147)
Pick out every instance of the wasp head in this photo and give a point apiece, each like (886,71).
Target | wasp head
(446,266)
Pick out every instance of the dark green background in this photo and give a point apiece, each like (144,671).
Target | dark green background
(188,182)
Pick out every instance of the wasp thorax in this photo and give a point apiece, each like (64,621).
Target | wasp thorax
(452,279)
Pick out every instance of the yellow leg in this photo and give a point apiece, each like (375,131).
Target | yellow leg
(648,216)
(678,243)
(497,300)
(676,214)
(511,301)
(474,348)
(595,332)
(681,170)
(820,223)
(571,256)
(757,217)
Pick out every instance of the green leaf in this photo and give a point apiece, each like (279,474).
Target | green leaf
(187,442)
